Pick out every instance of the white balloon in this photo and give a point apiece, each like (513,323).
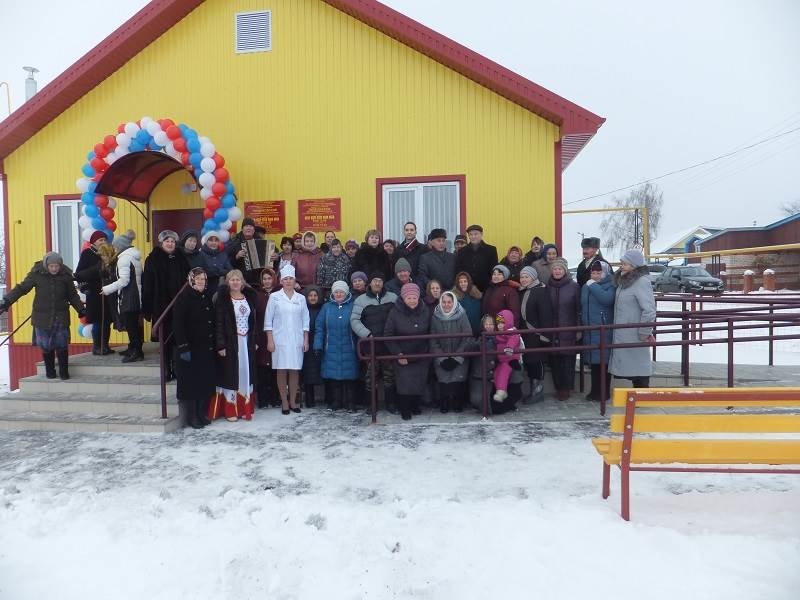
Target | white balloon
(224,236)
(111,157)
(123,140)
(161,138)
(144,121)
(82,184)
(122,151)
(207,149)
(226,225)
(112,202)
(203,140)
(87,330)
(206,193)
(208,165)
(207,180)
(234,213)
(84,222)
(131,129)
(153,128)
(87,233)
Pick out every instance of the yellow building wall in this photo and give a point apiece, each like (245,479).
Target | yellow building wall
(334,106)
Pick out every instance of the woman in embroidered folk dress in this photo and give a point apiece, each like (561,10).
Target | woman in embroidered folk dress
(236,307)
(287,325)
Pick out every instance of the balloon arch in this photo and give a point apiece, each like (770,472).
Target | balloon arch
(180,142)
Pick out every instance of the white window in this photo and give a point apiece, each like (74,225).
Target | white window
(254,31)
(429,205)
(66,238)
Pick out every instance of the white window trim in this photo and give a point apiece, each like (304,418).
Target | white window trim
(74,206)
(419,210)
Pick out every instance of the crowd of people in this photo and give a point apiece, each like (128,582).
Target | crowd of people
(286,336)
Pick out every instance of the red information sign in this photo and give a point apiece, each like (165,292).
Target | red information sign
(320,215)
(270,214)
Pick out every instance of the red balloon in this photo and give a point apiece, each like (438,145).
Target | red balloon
(110,142)
(97,176)
(98,164)
(112,226)
(219,189)
(121,128)
(100,150)
(107,213)
(173,132)
(166,123)
(180,144)
(213,203)
(208,213)
(221,174)
(84,319)
(221,246)
(219,160)
(101,201)
(185,158)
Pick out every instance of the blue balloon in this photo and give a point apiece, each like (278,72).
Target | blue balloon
(190,133)
(228,201)
(99,223)
(230,187)
(87,198)
(91,211)
(195,158)
(184,128)
(142,136)
(91,155)
(109,235)
(92,186)
(193,144)
(221,215)
(210,225)
(88,170)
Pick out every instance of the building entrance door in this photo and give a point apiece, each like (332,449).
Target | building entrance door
(178,221)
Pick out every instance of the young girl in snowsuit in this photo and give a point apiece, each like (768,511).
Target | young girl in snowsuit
(508,358)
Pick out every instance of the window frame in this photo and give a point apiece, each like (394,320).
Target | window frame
(51,231)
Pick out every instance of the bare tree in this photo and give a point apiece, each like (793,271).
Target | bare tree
(791,208)
(624,229)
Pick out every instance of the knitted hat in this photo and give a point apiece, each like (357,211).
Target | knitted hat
(359,275)
(287,271)
(503,269)
(633,257)
(402,265)
(166,234)
(124,241)
(97,234)
(376,275)
(530,272)
(409,289)
(351,244)
(461,238)
(52,258)
(340,286)
(560,261)
(209,235)
(437,233)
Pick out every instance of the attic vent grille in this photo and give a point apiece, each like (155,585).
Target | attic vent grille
(254,31)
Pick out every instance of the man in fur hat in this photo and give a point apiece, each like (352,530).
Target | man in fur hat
(591,255)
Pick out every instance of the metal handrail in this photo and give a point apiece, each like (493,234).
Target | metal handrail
(10,335)
(157,327)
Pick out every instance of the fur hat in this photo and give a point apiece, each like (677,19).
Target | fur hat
(633,257)
(409,289)
(339,286)
(402,264)
(437,233)
(590,242)
(209,235)
(124,241)
(166,234)
(376,275)
(97,234)
(248,221)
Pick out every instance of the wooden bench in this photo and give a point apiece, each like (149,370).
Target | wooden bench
(667,415)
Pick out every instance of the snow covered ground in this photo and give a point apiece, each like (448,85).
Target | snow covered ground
(317,506)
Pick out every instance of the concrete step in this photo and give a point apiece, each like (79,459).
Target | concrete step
(109,385)
(143,405)
(88,364)
(76,421)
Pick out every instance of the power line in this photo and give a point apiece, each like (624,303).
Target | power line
(684,169)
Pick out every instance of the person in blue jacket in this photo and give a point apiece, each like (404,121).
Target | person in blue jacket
(335,341)
(597,308)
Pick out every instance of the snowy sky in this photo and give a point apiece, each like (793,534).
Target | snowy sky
(679,83)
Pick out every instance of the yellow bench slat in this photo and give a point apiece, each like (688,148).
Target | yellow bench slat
(721,423)
(711,452)
(742,397)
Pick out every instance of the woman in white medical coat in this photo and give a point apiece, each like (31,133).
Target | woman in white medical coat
(287,325)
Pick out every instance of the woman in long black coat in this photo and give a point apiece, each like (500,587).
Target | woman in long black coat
(193,328)
(535,312)
(410,317)
(235,340)
(92,272)
(565,301)
(164,274)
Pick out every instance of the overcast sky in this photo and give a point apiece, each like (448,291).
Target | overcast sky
(678,82)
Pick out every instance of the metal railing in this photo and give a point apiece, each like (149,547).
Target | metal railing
(157,329)
(729,323)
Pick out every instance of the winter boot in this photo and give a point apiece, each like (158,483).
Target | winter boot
(63,363)
(390,399)
(309,395)
(404,404)
(414,403)
(50,364)
(457,402)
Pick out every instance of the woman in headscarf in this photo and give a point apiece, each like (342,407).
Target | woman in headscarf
(410,317)
(335,344)
(535,313)
(597,308)
(451,371)
(565,302)
(189,245)
(287,325)
(542,265)
(55,292)
(235,339)
(469,297)
(193,327)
